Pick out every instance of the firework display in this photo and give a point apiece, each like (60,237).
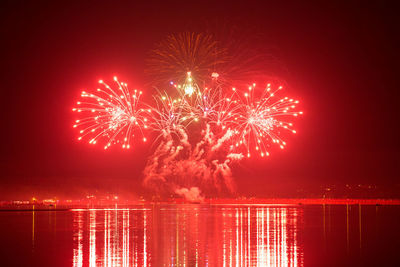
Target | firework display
(254,123)
(233,124)
(199,126)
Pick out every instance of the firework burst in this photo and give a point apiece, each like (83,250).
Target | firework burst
(179,53)
(233,57)
(114,116)
(167,117)
(263,119)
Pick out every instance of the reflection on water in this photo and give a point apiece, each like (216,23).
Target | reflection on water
(203,235)
(116,237)
(187,236)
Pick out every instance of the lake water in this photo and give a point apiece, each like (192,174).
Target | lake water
(203,235)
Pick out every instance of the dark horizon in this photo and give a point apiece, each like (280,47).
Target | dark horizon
(340,61)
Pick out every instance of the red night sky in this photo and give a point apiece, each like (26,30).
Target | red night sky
(341,61)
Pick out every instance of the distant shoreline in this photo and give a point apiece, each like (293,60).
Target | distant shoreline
(84,205)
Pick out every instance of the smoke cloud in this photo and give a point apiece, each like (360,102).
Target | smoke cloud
(179,168)
(193,194)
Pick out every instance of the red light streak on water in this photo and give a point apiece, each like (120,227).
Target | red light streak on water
(144,240)
(125,236)
(78,235)
(92,251)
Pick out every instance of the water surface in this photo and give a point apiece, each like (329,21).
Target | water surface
(203,235)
